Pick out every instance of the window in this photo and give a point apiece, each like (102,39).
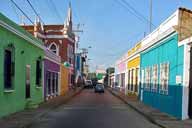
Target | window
(53,82)
(136,80)
(132,71)
(56,80)
(129,74)
(68,50)
(9,67)
(155,78)
(164,77)
(53,48)
(147,78)
(123,80)
(38,73)
(48,83)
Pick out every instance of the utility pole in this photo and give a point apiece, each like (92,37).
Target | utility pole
(150,18)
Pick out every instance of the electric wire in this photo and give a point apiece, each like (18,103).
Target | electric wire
(35,11)
(21,11)
(55,10)
(138,13)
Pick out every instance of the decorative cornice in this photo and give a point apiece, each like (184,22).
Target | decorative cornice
(55,37)
(45,57)
(20,34)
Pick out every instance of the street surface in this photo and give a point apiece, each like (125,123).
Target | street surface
(93,110)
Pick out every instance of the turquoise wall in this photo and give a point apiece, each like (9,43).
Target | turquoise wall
(25,54)
(166,51)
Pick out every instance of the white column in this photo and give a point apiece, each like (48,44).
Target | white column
(186,72)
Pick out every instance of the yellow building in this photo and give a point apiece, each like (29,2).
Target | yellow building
(133,68)
(64,80)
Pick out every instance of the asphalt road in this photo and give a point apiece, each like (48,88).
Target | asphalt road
(91,110)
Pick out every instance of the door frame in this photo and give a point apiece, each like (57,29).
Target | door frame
(190,86)
(27,91)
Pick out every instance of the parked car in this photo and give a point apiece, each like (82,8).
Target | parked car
(88,84)
(99,88)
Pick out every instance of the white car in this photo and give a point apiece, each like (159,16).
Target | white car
(88,84)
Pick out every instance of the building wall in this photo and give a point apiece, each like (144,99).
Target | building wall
(51,67)
(133,63)
(64,80)
(165,51)
(25,54)
(133,67)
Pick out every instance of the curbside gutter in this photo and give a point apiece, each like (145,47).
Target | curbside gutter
(148,117)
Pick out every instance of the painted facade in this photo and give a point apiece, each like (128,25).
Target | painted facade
(64,79)
(120,73)
(165,61)
(79,69)
(133,69)
(51,74)
(60,39)
(156,93)
(20,68)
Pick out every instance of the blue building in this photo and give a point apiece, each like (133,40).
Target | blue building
(78,68)
(165,63)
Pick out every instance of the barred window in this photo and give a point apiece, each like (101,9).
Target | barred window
(129,80)
(9,67)
(147,78)
(164,77)
(136,79)
(38,73)
(155,79)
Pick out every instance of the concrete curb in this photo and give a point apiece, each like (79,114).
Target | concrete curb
(28,125)
(149,118)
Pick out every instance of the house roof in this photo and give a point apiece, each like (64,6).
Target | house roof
(18,30)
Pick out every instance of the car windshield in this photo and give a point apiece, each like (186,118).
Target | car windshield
(99,85)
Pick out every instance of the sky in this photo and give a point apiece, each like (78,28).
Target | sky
(108,27)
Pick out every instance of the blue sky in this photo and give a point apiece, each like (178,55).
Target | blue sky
(108,27)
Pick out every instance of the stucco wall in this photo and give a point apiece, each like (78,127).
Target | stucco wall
(25,54)
(165,51)
(64,80)
(49,66)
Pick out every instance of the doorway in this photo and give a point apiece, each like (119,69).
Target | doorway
(190,86)
(27,82)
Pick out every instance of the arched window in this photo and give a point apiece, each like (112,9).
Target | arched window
(53,48)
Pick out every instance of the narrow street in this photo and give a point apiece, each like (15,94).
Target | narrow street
(93,110)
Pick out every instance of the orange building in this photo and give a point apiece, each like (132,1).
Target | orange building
(64,80)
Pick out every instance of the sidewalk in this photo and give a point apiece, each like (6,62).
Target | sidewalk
(153,115)
(25,118)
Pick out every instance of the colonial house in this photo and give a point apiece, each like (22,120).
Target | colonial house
(21,65)
(120,73)
(165,66)
(133,69)
(60,39)
(51,75)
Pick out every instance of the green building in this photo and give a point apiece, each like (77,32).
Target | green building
(20,68)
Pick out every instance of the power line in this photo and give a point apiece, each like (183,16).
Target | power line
(138,13)
(56,11)
(129,10)
(133,11)
(34,10)
(14,9)
(22,11)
